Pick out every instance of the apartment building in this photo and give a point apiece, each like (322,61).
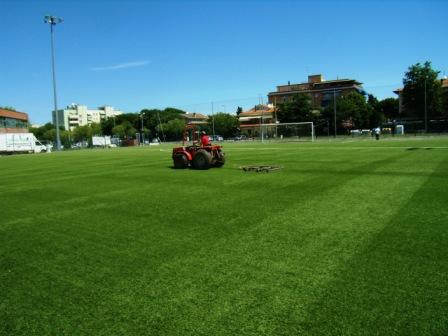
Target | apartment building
(251,120)
(79,115)
(321,91)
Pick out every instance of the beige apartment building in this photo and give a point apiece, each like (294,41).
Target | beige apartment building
(79,115)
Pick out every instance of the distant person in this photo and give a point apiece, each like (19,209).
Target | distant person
(205,140)
(377,133)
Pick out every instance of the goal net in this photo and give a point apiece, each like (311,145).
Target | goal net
(298,131)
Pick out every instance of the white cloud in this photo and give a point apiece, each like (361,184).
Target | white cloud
(121,66)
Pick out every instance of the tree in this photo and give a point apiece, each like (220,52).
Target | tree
(82,133)
(66,138)
(132,118)
(40,131)
(96,129)
(172,129)
(49,135)
(107,125)
(389,107)
(352,111)
(153,117)
(298,109)
(119,131)
(172,113)
(9,108)
(225,124)
(239,110)
(420,81)
(376,115)
(125,130)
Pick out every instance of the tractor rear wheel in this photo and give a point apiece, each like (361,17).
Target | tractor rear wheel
(202,160)
(180,161)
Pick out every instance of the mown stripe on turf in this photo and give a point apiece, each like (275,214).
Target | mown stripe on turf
(270,269)
(398,283)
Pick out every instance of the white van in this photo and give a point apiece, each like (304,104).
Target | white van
(20,143)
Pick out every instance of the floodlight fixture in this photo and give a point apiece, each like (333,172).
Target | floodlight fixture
(53,20)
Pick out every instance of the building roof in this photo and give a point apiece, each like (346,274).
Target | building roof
(445,83)
(333,81)
(314,85)
(257,112)
(14,114)
(195,116)
(338,81)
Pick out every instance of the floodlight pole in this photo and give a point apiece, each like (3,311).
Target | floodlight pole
(52,20)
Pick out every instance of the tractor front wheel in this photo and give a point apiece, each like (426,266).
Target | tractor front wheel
(180,161)
(202,160)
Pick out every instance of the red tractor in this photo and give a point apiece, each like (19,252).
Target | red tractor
(197,155)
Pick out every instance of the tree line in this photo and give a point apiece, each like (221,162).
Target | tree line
(165,125)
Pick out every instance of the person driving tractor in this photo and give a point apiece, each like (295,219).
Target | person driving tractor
(205,140)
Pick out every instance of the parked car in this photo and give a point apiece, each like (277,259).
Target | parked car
(77,145)
(240,137)
(215,138)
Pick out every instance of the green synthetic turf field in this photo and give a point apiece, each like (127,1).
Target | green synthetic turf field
(349,238)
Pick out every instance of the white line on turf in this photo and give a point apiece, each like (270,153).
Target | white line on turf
(339,147)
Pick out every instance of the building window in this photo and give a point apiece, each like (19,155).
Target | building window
(12,123)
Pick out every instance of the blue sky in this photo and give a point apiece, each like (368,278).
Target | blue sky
(144,54)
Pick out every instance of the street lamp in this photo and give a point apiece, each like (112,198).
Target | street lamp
(52,21)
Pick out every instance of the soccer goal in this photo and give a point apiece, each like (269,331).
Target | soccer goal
(296,131)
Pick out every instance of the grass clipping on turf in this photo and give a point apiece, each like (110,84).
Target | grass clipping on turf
(260,169)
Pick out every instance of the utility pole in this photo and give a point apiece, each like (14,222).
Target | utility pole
(52,20)
(275,117)
(213,121)
(142,137)
(426,109)
(334,111)
(161,127)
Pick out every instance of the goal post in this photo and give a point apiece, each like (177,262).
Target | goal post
(294,131)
